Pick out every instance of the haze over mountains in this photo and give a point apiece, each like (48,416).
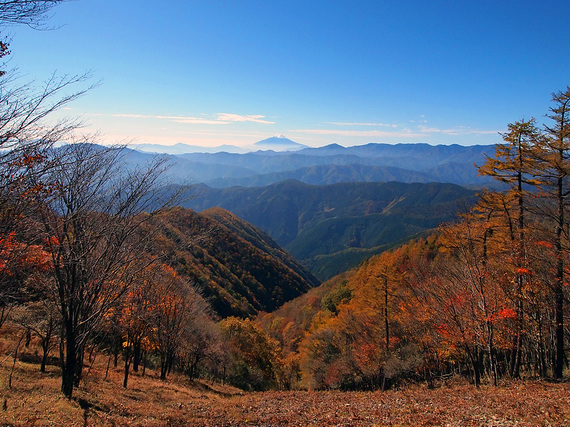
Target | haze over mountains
(276,143)
(329,165)
(332,207)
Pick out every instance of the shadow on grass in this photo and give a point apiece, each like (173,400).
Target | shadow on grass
(204,387)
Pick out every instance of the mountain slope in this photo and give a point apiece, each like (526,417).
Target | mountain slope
(260,240)
(329,174)
(313,222)
(236,274)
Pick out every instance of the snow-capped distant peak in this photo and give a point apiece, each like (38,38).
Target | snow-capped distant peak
(279,143)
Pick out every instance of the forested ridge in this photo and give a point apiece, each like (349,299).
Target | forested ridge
(332,228)
(106,281)
(486,297)
(240,271)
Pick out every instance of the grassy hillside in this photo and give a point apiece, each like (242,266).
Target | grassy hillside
(35,399)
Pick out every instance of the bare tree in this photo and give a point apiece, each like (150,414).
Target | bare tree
(172,313)
(27,134)
(134,317)
(24,106)
(91,223)
(32,13)
(28,12)
(42,319)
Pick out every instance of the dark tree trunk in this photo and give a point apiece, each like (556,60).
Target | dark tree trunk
(516,356)
(70,362)
(559,361)
(45,350)
(108,364)
(136,356)
(46,343)
(128,359)
(475,359)
(79,366)
(194,367)
(559,285)
(144,362)
(163,368)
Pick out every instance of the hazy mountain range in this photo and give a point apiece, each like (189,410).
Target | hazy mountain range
(328,165)
(334,206)
(276,143)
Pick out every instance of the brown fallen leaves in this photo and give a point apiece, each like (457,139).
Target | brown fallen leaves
(529,404)
(35,399)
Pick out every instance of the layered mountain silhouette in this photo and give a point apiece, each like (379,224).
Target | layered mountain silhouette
(332,207)
(331,164)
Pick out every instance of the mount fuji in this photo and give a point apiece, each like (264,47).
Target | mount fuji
(279,143)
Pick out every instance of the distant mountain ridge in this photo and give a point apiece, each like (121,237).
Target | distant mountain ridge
(332,164)
(333,174)
(334,227)
(276,143)
(308,221)
(181,148)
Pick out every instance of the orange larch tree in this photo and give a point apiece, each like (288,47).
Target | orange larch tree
(553,154)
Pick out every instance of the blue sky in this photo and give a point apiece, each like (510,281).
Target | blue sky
(351,72)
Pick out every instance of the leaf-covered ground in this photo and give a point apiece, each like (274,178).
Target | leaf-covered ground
(528,404)
(35,400)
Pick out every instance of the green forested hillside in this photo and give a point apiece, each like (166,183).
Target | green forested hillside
(332,228)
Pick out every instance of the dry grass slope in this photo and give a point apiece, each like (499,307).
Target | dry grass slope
(35,400)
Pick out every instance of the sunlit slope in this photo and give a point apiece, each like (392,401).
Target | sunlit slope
(236,273)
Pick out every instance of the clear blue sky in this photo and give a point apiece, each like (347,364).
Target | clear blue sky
(214,72)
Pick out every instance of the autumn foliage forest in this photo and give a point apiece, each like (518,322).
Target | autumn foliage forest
(94,261)
(485,297)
